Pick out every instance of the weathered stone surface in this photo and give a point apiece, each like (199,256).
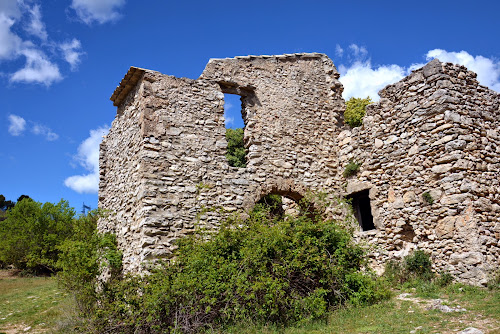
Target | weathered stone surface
(435,131)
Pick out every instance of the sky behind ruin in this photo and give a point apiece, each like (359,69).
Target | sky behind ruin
(60,61)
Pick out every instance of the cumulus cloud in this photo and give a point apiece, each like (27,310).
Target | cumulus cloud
(72,53)
(488,70)
(20,21)
(88,158)
(361,79)
(100,11)
(37,69)
(17,125)
(44,131)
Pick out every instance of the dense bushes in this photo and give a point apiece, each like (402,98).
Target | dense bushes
(355,111)
(83,257)
(32,232)
(263,270)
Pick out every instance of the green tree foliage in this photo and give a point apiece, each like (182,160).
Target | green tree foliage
(5,205)
(20,198)
(32,232)
(264,269)
(355,111)
(235,148)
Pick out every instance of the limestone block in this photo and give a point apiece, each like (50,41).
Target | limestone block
(445,227)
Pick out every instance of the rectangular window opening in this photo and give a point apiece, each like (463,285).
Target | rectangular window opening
(235,126)
(362,209)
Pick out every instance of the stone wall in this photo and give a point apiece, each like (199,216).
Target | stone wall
(163,162)
(436,131)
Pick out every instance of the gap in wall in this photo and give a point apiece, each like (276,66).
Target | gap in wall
(236,152)
(362,209)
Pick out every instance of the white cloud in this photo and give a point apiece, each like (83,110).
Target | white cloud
(10,8)
(71,52)
(88,158)
(37,69)
(100,11)
(36,27)
(359,52)
(228,120)
(19,22)
(339,52)
(9,42)
(488,70)
(17,125)
(360,78)
(42,130)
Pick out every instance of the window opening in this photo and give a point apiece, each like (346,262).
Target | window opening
(280,206)
(362,209)
(236,152)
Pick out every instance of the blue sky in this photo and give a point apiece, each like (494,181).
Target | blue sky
(60,61)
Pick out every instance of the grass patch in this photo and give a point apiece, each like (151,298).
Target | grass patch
(38,303)
(403,316)
(34,302)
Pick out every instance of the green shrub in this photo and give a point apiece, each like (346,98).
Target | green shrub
(419,265)
(236,154)
(494,280)
(82,258)
(428,197)
(395,272)
(444,279)
(352,168)
(355,111)
(413,270)
(264,270)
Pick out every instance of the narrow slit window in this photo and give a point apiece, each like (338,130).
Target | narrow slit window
(236,152)
(362,210)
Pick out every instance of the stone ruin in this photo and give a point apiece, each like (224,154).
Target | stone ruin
(429,153)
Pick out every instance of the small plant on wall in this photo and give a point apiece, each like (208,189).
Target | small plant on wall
(351,169)
(428,198)
(355,110)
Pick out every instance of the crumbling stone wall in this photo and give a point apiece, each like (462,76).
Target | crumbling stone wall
(168,144)
(437,131)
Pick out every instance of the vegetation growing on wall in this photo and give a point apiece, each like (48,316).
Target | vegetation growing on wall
(355,111)
(236,155)
(351,169)
(428,198)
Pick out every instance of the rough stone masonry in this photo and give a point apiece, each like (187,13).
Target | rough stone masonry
(429,153)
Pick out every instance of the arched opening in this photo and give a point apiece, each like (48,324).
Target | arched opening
(279,206)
